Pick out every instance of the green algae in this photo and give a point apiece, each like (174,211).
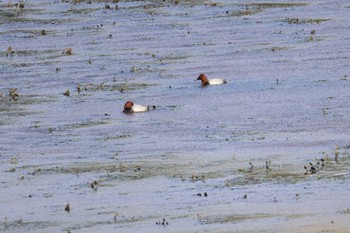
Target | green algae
(276,5)
(304,20)
(212,219)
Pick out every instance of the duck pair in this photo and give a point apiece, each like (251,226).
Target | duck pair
(130,107)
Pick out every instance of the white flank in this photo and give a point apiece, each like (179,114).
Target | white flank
(216,81)
(139,108)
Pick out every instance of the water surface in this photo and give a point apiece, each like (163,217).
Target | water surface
(197,163)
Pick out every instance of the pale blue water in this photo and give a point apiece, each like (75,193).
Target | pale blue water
(286,100)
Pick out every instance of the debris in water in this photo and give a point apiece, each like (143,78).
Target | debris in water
(251,165)
(9,51)
(267,166)
(196,178)
(163,223)
(123,167)
(67,93)
(68,51)
(13,94)
(67,208)
(336,153)
(93,185)
(13,160)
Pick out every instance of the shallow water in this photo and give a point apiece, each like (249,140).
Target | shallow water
(197,163)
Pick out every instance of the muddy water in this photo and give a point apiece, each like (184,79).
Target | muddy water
(197,163)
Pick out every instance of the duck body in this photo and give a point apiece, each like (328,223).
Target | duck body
(214,81)
(130,107)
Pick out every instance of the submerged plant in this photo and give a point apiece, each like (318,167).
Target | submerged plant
(13,94)
(21,4)
(67,208)
(134,69)
(67,93)
(303,21)
(9,51)
(336,153)
(68,51)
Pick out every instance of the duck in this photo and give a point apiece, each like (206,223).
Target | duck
(206,81)
(130,107)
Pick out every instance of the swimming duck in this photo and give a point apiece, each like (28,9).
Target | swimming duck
(130,107)
(206,81)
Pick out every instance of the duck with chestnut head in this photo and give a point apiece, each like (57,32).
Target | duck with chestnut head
(214,81)
(130,107)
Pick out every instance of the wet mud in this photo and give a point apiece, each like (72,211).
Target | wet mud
(269,151)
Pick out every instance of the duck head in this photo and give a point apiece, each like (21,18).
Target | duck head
(204,79)
(128,106)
